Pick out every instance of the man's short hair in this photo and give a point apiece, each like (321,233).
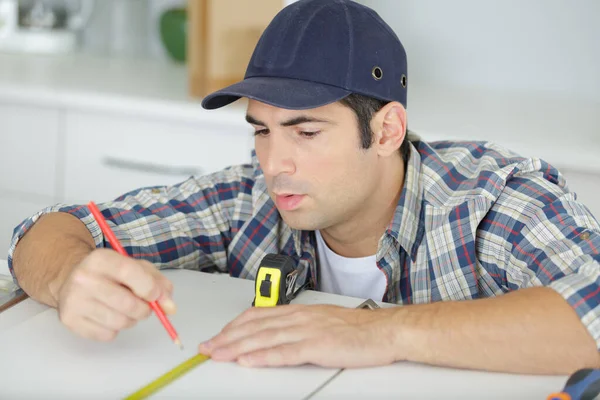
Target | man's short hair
(364,107)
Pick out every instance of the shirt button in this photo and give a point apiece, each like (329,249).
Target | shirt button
(585,236)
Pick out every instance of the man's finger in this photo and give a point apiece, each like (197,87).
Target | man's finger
(252,327)
(164,282)
(262,340)
(92,330)
(119,298)
(126,271)
(283,355)
(107,317)
(167,304)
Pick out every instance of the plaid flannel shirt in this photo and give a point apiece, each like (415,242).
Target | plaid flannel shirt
(474,220)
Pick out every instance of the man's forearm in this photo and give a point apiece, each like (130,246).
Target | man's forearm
(528,331)
(46,254)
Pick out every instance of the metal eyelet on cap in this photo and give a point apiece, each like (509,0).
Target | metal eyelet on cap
(377,73)
(403,80)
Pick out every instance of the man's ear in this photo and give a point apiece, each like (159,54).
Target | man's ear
(389,128)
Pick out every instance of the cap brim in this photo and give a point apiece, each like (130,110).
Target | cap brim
(287,93)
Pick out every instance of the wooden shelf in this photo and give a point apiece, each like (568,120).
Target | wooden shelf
(222,36)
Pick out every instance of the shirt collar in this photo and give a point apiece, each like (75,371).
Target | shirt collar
(406,226)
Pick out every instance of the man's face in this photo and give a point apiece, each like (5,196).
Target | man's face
(315,169)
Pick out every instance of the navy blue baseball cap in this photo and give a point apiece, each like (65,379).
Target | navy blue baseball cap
(316,52)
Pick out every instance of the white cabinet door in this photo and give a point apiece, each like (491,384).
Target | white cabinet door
(587,187)
(110,154)
(13,210)
(28,149)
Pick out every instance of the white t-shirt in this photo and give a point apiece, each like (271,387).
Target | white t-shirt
(355,277)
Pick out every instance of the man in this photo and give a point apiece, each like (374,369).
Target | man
(494,262)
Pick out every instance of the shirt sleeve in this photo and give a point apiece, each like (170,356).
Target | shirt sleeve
(549,239)
(187,225)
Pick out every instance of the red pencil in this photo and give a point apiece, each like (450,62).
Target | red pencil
(117,246)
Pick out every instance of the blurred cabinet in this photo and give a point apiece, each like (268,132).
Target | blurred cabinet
(109,154)
(13,210)
(29,140)
(28,145)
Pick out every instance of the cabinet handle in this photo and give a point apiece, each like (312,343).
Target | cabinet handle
(140,166)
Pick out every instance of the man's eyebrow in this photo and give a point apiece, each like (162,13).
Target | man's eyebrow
(251,120)
(291,122)
(303,119)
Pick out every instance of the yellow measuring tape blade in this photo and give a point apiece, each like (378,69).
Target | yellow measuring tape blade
(169,377)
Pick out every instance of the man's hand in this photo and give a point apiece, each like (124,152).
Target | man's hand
(108,292)
(329,336)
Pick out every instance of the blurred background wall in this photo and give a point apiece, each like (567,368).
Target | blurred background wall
(546,46)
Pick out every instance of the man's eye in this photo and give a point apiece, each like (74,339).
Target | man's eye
(261,132)
(309,134)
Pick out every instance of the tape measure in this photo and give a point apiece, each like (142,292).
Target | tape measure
(274,284)
(275,281)
(169,377)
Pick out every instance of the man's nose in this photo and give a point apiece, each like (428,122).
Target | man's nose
(279,155)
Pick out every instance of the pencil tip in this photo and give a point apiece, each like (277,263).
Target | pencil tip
(178,343)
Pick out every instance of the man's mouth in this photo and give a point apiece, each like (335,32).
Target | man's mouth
(288,201)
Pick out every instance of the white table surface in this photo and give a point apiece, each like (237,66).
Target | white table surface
(69,367)
(420,382)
